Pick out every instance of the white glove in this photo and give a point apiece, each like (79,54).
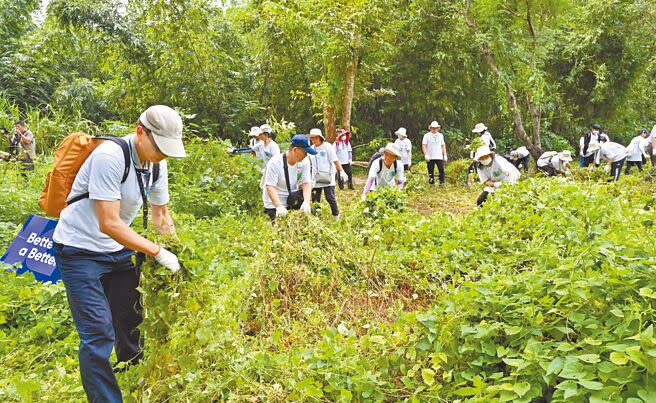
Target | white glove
(446,158)
(497,184)
(168,260)
(281,211)
(231,150)
(343,176)
(363,197)
(426,157)
(305,207)
(607,168)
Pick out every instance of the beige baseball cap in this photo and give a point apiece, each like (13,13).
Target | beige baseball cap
(165,124)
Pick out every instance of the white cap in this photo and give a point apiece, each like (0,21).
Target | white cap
(593,146)
(514,154)
(479,128)
(401,132)
(165,124)
(255,131)
(434,124)
(316,132)
(266,129)
(393,149)
(565,156)
(482,151)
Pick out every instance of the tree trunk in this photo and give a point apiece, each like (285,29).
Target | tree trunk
(329,129)
(535,117)
(349,91)
(518,121)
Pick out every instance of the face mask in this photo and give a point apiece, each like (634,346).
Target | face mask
(487,161)
(343,138)
(595,132)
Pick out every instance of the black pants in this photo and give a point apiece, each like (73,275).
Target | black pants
(349,172)
(482,198)
(431,171)
(547,170)
(329,192)
(406,167)
(587,161)
(629,164)
(616,169)
(522,163)
(271,212)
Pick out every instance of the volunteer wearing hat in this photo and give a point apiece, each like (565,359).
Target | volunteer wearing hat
(590,144)
(265,148)
(252,136)
(493,171)
(486,137)
(324,166)
(637,150)
(94,245)
(614,155)
(285,175)
(553,163)
(405,147)
(434,150)
(519,158)
(386,170)
(344,153)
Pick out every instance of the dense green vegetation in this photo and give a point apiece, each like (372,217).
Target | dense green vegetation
(548,291)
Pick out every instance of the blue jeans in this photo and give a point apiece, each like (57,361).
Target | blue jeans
(106,307)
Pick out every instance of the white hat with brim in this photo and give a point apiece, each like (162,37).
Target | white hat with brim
(165,124)
(479,128)
(316,132)
(565,156)
(255,131)
(266,129)
(434,125)
(481,152)
(593,146)
(402,132)
(393,149)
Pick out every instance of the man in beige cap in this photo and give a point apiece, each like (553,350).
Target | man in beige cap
(386,170)
(94,243)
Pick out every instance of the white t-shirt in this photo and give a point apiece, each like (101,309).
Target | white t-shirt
(554,161)
(594,138)
(266,152)
(487,139)
(100,176)
(405,146)
(434,143)
(344,152)
(499,171)
(612,152)
(324,161)
(385,176)
(275,176)
(522,152)
(637,147)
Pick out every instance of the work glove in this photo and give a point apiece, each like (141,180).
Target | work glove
(607,168)
(231,150)
(343,176)
(426,157)
(446,158)
(497,184)
(281,211)
(305,207)
(168,260)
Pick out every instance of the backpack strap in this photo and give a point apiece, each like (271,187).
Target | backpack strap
(155,172)
(126,171)
(284,167)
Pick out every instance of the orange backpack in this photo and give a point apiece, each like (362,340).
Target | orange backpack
(69,157)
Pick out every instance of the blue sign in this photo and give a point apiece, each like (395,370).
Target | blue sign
(32,250)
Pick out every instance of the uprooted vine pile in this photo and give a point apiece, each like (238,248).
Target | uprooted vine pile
(549,291)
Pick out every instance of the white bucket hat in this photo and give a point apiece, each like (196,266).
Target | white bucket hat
(165,124)
(255,131)
(593,146)
(316,132)
(266,129)
(434,124)
(401,132)
(479,128)
(393,149)
(565,156)
(482,151)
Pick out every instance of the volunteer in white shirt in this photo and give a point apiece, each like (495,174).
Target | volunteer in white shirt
(614,155)
(289,189)
(590,144)
(344,153)
(405,147)
(265,148)
(252,136)
(434,150)
(519,158)
(324,166)
(637,151)
(385,170)
(493,170)
(94,245)
(486,137)
(553,163)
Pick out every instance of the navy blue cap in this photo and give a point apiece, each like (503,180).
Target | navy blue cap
(302,141)
(643,131)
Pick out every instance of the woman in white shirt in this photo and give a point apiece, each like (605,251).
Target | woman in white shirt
(493,171)
(637,151)
(324,166)
(344,153)
(405,147)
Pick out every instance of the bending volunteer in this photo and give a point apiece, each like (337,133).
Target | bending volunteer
(94,245)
